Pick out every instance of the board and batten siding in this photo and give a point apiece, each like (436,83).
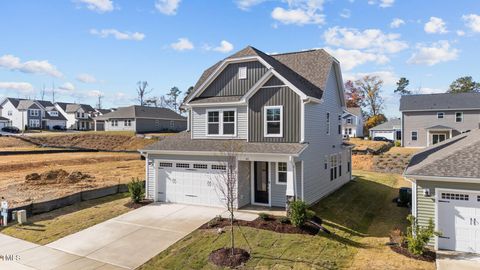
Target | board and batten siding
(321,146)
(283,96)
(278,191)
(244,183)
(228,83)
(199,122)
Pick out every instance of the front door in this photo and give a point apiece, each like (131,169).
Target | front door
(260,185)
(438,138)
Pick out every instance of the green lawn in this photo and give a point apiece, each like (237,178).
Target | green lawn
(48,227)
(352,214)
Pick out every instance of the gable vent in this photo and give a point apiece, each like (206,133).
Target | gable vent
(242,73)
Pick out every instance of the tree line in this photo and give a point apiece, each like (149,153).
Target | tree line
(367,94)
(172,100)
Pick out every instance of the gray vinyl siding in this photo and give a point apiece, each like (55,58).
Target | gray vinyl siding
(283,96)
(199,122)
(274,81)
(278,192)
(316,178)
(152,125)
(188,158)
(298,188)
(228,83)
(244,183)
(420,121)
(150,179)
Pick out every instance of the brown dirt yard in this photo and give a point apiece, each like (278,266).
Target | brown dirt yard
(362,145)
(15,144)
(105,169)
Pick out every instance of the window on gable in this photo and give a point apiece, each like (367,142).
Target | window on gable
(282,172)
(34,112)
(414,135)
(10,113)
(273,121)
(440,115)
(214,123)
(221,122)
(242,73)
(349,120)
(459,117)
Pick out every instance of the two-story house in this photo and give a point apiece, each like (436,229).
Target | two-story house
(79,116)
(352,122)
(275,119)
(31,114)
(430,119)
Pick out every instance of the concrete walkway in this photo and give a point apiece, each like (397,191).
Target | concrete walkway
(450,260)
(124,242)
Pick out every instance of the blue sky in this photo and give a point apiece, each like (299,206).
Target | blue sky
(87,47)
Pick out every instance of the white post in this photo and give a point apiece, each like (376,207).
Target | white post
(290,192)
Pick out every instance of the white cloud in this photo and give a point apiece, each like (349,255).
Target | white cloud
(472,21)
(349,59)
(104,33)
(386,3)
(17,86)
(224,47)
(460,33)
(436,53)
(183,44)
(11,62)
(167,7)
(300,12)
(428,90)
(86,78)
(373,39)
(396,23)
(100,6)
(68,86)
(94,93)
(247,4)
(346,13)
(435,26)
(389,78)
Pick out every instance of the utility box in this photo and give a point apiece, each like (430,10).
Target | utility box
(22,216)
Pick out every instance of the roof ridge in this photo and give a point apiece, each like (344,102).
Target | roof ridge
(296,52)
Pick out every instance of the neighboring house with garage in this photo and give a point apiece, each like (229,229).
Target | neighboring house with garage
(4,122)
(276,119)
(446,188)
(142,119)
(31,114)
(98,123)
(352,122)
(433,118)
(392,130)
(79,116)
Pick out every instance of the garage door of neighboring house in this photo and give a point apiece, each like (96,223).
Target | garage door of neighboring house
(386,134)
(197,183)
(3,124)
(459,220)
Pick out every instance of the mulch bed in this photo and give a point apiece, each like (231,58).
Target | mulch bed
(133,205)
(223,257)
(270,224)
(428,256)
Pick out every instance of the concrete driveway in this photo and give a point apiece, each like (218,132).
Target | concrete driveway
(451,260)
(131,239)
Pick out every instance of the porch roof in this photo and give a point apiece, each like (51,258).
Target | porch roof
(440,127)
(182,142)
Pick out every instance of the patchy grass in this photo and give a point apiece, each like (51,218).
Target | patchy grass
(362,162)
(403,150)
(48,227)
(363,145)
(360,215)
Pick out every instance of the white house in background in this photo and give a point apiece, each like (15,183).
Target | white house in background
(79,116)
(99,124)
(4,122)
(31,114)
(392,130)
(352,122)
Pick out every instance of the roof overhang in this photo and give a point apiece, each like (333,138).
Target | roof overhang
(440,110)
(414,177)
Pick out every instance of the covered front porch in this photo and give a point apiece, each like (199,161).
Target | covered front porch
(438,133)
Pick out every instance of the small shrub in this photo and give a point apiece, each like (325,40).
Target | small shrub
(310,214)
(136,190)
(398,144)
(284,220)
(264,216)
(298,213)
(418,236)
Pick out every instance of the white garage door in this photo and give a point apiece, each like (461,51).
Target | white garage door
(459,221)
(197,183)
(3,124)
(386,134)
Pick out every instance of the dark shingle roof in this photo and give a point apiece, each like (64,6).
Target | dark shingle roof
(142,112)
(456,157)
(307,70)
(440,102)
(73,107)
(183,142)
(389,125)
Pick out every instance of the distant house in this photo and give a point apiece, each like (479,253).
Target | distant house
(79,116)
(31,114)
(143,119)
(446,189)
(392,130)
(4,122)
(100,124)
(352,122)
(430,119)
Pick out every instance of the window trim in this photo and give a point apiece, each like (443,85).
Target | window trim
(127,122)
(440,113)
(220,122)
(278,174)
(240,73)
(461,113)
(265,134)
(416,135)
(328,120)
(31,112)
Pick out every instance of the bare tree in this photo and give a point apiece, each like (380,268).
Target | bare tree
(99,104)
(142,91)
(226,183)
(43,92)
(371,87)
(53,92)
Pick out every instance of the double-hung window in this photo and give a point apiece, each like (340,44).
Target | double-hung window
(459,117)
(34,112)
(273,121)
(440,115)
(414,135)
(221,122)
(282,173)
(114,123)
(128,123)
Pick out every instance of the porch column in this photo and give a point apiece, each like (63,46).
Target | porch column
(290,192)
